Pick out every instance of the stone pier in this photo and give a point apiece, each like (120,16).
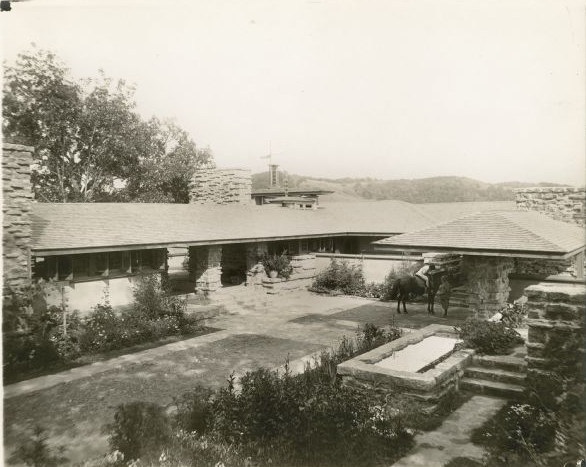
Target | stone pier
(487,282)
(16,207)
(206,268)
(255,271)
(553,309)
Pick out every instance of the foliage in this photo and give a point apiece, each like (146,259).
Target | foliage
(518,435)
(488,337)
(548,430)
(279,263)
(36,451)
(29,330)
(514,315)
(38,336)
(89,141)
(423,190)
(154,314)
(341,276)
(270,418)
(140,430)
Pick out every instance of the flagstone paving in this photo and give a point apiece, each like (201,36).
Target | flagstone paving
(75,405)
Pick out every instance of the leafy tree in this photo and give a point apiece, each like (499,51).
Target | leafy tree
(90,144)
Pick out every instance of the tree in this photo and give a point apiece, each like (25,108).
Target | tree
(90,144)
(166,174)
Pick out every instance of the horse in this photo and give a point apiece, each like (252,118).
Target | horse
(406,285)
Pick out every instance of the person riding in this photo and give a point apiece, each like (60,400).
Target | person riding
(424,272)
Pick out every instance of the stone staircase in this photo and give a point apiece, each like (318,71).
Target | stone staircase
(498,375)
(460,297)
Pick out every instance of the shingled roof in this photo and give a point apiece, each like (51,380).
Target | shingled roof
(58,228)
(518,233)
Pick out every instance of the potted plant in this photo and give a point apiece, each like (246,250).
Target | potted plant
(277,266)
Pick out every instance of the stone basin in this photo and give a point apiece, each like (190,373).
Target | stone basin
(422,365)
(416,357)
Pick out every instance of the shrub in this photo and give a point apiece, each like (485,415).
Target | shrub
(306,419)
(140,430)
(488,337)
(279,263)
(102,330)
(341,276)
(517,435)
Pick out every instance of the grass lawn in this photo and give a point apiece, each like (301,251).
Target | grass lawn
(75,412)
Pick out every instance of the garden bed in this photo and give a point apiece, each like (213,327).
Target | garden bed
(60,366)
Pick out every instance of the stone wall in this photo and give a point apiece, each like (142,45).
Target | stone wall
(553,309)
(16,207)
(206,268)
(535,267)
(255,271)
(487,282)
(304,271)
(221,186)
(561,203)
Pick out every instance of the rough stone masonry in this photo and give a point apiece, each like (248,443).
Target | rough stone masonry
(16,207)
(566,204)
(553,309)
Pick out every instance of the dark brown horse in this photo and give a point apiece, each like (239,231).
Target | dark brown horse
(406,286)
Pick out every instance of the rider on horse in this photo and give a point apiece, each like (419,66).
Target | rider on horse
(424,272)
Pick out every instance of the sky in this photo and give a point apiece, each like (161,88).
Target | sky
(492,90)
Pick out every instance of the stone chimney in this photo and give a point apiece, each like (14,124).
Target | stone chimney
(16,208)
(560,203)
(221,186)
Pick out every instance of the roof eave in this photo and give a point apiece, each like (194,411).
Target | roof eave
(481,252)
(184,244)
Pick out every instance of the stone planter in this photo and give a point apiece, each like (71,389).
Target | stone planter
(273,274)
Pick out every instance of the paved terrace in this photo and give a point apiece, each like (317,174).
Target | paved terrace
(263,330)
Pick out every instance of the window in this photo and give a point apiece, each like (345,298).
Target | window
(98,265)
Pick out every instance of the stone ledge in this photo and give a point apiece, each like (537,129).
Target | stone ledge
(549,189)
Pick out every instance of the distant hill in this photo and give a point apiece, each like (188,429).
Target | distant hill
(420,190)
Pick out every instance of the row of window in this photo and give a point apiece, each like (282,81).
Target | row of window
(99,265)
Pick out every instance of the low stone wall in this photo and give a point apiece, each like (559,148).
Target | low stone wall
(304,272)
(553,309)
(16,209)
(221,186)
(561,203)
(427,388)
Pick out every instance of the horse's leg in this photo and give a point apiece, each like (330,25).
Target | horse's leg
(399,301)
(404,305)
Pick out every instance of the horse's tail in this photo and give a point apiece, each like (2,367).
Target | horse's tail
(394,289)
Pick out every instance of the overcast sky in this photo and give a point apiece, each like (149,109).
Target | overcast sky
(492,90)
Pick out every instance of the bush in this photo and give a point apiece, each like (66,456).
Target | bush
(140,430)
(279,263)
(488,337)
(341,276)
(517,435)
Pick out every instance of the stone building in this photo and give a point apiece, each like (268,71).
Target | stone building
(88,249)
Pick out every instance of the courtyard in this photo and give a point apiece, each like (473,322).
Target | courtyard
(75,405)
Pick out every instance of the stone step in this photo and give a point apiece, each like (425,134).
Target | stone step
(493,388)
(495,374)
(503,362)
